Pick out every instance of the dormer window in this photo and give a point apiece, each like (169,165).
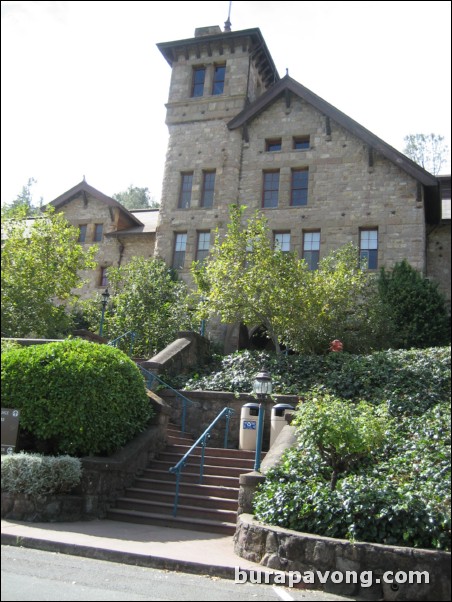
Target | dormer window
(199,76)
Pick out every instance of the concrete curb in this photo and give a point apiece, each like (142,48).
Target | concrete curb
(133,558)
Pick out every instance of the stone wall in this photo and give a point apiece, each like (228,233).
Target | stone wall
(287,550)
(103,479)
(188,351)
(205,407)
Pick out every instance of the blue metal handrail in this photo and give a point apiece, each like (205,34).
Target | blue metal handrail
(132,334)
(202,440)
(151,378)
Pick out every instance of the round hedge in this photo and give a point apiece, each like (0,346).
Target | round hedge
(82,397)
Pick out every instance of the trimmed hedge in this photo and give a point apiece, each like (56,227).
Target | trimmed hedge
(79,397)
(35,474)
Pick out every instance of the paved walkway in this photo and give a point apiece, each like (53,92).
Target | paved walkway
(143,545)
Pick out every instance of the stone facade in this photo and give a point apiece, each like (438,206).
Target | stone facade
(121,235)
(262,124)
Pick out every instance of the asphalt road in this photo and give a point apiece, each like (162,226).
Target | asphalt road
(36,575)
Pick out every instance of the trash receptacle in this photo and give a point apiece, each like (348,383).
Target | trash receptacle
(278,419)
(248,426)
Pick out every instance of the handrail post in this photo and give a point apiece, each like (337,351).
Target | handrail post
(184,414)
(176,496)
(226,430)
(203,453)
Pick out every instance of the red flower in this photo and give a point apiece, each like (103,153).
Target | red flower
(336,345)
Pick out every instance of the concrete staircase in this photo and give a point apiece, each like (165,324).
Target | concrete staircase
(210,506)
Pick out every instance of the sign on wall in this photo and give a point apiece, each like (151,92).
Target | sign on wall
(10,427)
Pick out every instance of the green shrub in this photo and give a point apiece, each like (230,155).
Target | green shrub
(80,397)
(409,381)
(415,310)
(399,496)
(40,475)
(342,432)
(8,344)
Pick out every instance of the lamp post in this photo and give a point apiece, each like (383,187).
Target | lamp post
(262,387)
(105,297)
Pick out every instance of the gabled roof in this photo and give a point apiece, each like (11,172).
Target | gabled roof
(287,84)
(148,217)
(84,189)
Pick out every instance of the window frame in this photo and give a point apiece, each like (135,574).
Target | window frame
(294,189)
(269,142)
(301,140)
(103,280)
(195,84)
(279,247)
(202,253)
(216,82)
(185,193)
(266,190)
(179,265)
(207,190)
(98,232)
(82,228)
(308,254)
(370,253)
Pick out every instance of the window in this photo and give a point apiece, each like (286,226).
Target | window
(185,191)
(299,187)
(271,189)
(282,241)
(218,79)
(98,230)
(208,188)
(272,146)
(368,248)
(103,277)
(301,143)
(199,75)
(203,246)
(311,249)
(179,251)
(82,233)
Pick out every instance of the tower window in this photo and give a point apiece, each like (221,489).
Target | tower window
(199,76)
(218,79)
(185,191)
(208,189)
(180,248)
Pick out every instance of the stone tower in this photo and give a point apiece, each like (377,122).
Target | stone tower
(215,75)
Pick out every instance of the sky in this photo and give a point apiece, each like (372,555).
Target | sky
(84,87)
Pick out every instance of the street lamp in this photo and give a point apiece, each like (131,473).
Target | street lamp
(105,297)
(262,387)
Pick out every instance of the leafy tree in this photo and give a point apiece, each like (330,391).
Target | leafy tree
(40,263)
(342,432)
(247,280)
(147,299)
(136,198)
(22,206)
(415,309)
(427,150)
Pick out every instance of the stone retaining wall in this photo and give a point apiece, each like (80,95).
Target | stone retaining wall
(205,407)
(103,479)
(287,550)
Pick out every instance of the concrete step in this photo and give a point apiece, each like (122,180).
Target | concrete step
(191,477)
(152,507)
(208,469)
(216,452)
(230,460)
(187,488)
(186,499)
(180,522)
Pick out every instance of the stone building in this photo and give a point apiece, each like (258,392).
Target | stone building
(238,133)
(120,234)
